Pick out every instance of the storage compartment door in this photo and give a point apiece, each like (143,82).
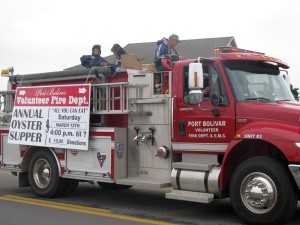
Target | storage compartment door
(96,162)
(11,157)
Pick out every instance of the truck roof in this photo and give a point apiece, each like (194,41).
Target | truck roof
(253,57)
(233,53)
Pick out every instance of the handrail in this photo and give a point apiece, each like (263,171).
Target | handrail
(110,84)
(172,116)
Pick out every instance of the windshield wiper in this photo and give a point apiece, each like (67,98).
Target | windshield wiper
(283,100)
(258,99)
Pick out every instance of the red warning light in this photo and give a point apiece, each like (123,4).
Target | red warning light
(233,49)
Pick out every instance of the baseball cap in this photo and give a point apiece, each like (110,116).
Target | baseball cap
(175,37)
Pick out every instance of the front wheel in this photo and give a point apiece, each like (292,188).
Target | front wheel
(262,192)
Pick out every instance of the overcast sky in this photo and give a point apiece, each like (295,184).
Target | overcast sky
(40,36)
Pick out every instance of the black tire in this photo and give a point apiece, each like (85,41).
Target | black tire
(43,175)
(70,186)
(113,186)
(262,192)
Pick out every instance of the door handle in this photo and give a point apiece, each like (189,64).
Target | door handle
(182,129)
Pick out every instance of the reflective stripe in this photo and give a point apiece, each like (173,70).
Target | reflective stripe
(200,147)
(158,51)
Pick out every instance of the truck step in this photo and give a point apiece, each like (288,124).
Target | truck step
(144,182)
(190,166)
(190,196)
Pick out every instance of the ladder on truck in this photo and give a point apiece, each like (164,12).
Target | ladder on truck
(106,98)
(113,98)
(7,99)
(109,98)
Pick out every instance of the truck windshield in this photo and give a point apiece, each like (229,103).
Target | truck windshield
(257,81)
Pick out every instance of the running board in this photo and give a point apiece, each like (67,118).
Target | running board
(190,196)
(144,182)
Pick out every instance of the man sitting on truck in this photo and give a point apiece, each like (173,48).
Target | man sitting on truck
(118,51)
(95,59)
(165,50)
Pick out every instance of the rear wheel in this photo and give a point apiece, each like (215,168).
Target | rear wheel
(262,192)
(113,186)
(43,175)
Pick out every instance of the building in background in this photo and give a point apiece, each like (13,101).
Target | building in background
(188,49)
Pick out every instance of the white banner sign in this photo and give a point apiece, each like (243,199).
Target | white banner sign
(52,116)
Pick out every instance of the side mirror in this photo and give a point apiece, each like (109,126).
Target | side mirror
(195,76)
(195,97)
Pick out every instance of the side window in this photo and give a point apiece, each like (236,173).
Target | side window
(218,93)
(186,90)
(161,83)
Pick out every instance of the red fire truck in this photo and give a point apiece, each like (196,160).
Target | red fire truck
(225,126)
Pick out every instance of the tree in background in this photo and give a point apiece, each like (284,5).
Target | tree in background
(295,92)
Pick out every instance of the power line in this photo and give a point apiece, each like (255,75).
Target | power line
(31,58)
(3,64)
(19,67)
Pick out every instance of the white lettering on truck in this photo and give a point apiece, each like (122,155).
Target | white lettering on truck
(207,123)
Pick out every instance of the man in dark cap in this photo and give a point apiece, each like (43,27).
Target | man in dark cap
(166,50)
(118,51)
(95,59)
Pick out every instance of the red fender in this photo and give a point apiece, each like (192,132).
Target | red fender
(282,136)
(166,63)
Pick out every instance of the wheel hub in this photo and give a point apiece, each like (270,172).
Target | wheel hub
(46,173)
(42,173)
(258,193)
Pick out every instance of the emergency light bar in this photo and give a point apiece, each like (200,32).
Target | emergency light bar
(236,50)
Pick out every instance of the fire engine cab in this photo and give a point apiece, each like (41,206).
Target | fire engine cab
(212,128)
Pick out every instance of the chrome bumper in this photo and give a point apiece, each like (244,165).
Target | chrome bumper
(295,170)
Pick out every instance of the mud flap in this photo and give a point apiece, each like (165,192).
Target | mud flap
(23,180)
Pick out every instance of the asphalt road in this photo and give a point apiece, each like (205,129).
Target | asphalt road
(91,205)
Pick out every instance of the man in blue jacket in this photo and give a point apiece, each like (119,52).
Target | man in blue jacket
(95,59)
(166,50)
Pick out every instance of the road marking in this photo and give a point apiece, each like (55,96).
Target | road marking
(6,172)
(56,203)
(80,209)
